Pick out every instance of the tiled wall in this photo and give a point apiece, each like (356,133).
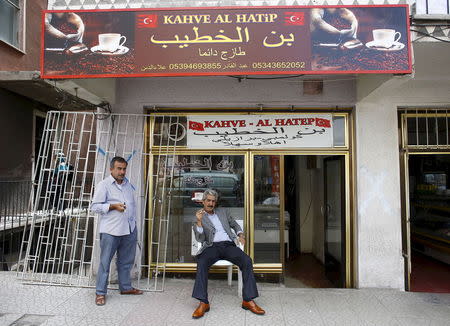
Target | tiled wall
(116,4)
(441,32)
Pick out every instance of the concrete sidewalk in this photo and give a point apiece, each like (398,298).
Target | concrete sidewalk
(51,305)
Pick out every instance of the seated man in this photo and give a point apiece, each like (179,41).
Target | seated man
(213,230)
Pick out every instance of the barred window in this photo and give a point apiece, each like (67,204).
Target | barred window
(426,128)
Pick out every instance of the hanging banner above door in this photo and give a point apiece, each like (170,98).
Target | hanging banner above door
(260,131)
(225,41)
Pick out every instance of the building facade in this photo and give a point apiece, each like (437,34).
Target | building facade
(359,207)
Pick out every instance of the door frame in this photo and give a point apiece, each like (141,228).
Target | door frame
(349,206)
(342,267)
(350,186)
(405,208)
(406,150)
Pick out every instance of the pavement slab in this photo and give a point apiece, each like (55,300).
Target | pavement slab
(48,305)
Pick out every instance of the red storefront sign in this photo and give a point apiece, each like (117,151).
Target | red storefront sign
(226,41)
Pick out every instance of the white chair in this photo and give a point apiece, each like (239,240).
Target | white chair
(196,247)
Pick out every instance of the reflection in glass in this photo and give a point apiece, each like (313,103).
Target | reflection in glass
(267,209)
(412,131)
(169,131)
(333,231)
(432,130)
(192,174)
(443,131)
(335,259)
(429,185)
(338,131)
(9,16)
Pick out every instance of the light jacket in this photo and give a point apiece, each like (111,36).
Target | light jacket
(207,236)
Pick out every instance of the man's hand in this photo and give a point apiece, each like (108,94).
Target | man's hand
(73,37)
(199,216)
(347,33)
(118,207)
(241,238)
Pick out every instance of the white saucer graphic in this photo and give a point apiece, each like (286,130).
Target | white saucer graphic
(120,50)
(396,46)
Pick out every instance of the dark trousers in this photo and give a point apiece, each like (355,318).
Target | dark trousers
(229,251)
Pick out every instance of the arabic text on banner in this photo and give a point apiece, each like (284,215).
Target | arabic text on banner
(260,131)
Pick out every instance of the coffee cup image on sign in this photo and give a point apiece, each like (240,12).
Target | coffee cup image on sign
(385,37)
(110,42)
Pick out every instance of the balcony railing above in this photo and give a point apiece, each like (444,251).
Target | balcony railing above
(432,9)
(115,4)
(421,9)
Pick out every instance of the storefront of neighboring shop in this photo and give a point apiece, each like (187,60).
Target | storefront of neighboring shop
(268,108)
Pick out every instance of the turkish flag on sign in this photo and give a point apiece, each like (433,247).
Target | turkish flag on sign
(147,21)
(196,126)
(294,18)
(326,123)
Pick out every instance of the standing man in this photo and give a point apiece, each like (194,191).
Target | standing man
(213,230)
(114,201)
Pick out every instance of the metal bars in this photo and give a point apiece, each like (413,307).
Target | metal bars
(160,176)
(14,215)
(425,128)
(61,245)
(433,7)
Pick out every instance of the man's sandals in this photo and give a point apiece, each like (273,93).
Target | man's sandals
(100,300)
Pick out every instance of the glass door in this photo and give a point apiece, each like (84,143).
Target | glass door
(334,211)
(179,182)
(266,209)
(429,222)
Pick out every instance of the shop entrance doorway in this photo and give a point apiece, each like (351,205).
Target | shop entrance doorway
(429,208)
(252,181)
(425,176)
(315,206)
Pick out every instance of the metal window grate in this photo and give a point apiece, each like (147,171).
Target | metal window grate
(432,7)
(425,128)
(61,245)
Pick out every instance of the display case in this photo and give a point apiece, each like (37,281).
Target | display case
(430,215)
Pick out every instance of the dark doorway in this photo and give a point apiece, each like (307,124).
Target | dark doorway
(429,206)
(314,203)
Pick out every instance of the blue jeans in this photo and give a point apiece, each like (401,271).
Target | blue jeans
(125,246)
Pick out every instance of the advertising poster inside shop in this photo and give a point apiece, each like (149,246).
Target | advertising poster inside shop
(225,41)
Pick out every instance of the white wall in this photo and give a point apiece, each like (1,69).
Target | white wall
(104,88)
(379,246)
(132,94)
(380,261)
